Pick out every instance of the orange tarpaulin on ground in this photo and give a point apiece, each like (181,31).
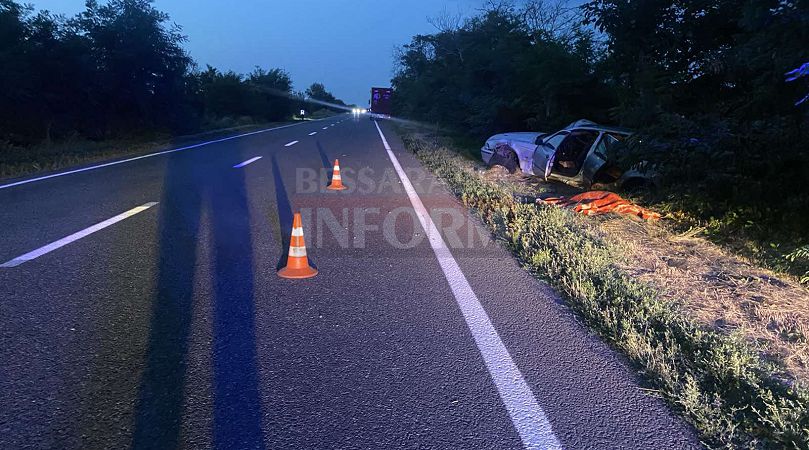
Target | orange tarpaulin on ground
(601,202)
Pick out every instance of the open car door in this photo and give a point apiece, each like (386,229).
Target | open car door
(544,154)
(597,159)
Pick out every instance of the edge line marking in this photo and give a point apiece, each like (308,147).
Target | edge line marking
(527,416)
(149,155)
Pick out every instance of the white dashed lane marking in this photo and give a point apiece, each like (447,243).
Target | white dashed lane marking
(251,160)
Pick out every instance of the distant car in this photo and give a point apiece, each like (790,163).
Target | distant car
(575,155)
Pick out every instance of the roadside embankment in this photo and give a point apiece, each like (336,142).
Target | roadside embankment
(733,391)
(18,161)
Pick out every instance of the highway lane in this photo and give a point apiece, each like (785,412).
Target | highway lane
(171,328)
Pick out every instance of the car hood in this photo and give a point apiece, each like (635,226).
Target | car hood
(521,136)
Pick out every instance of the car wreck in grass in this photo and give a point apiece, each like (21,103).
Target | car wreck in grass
(576,155)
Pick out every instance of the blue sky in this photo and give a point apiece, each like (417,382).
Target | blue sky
(347,45)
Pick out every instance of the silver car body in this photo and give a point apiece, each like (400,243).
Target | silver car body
(588,139)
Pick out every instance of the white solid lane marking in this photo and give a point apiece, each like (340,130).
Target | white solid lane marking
(165,152)
(313,133)
(528,417)
(290,144)
(75,236)
(251,160)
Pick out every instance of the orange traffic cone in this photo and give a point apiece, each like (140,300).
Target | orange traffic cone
(297,263)
(336,179)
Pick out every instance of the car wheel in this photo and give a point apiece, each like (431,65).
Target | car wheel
(511,162)
(506,157)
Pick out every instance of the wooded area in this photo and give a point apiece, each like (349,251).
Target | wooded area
(119,68)
(716,90)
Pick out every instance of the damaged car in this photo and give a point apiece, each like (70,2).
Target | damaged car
(576,155)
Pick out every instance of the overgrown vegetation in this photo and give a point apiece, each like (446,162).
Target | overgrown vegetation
(116,71)
(801,257)
(713,88)
(716,381)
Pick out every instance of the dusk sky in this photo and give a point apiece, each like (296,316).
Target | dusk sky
(347,45)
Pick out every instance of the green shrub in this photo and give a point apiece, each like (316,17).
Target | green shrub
(800,258)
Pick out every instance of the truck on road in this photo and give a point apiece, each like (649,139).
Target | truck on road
(380,102)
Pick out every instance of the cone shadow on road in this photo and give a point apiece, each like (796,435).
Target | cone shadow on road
(284,212)
(327,163)
(188,189)
(285,215)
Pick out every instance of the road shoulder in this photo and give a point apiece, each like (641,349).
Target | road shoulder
(589,391)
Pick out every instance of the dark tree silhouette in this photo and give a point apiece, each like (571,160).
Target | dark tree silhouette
(116,69)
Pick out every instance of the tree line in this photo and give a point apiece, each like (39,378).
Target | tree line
(714,89)
(119,68)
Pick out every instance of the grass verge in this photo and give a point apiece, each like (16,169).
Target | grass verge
(716,381)
(17,161)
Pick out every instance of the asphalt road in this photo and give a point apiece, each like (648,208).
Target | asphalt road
(167,326)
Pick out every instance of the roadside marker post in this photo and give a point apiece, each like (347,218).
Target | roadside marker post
(336,179)
(297,264)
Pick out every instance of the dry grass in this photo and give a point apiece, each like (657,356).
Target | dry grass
(717,337)
(721,291)
(717,289)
